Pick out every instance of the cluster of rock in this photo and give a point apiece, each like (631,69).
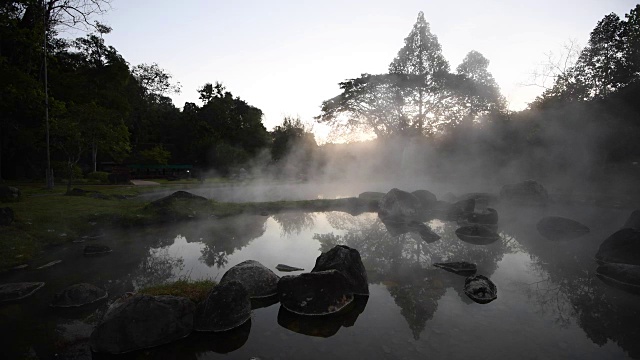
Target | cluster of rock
(619,256)
(142,321)
(477,287)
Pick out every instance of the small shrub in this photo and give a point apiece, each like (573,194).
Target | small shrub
(101,176)
(60,170)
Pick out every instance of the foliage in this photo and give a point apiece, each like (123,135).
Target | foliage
(101,176)
(156,155)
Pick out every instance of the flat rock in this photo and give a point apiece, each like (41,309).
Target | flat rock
(287,268)
(18,291)
(90,250)
(622,247)
(49,264)
(480,289)
(560,228)
(623,276)
(633,221)
(226,307)
(143,321)
(256,278)
(315,293)
(477,234)
(488,216)
(78,295)
(458,267)
(346,260)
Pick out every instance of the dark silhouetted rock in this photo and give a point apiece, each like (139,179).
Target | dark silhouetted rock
(480,289)
(398,228)
(348,262)
(17,291)
(90,250)
(460,209)
(143,321)
(398,205)
(559,228)
(176,196)
(488,216)
(227,306)
(315,293)
(9,194)
(322,326)
(477,234)
(633,221)
(219,342)
(283,267)
(78,295)
(528,192)
(427,198)
(623,276)
(256,278)
(621,247)
(458,267)
(6,216)
(482,199)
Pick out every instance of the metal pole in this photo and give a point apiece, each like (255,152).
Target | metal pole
(49,173)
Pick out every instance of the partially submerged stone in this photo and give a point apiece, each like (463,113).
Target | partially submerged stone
(458,267)
(226,307)
(90,250)
(623,247)
(480,289)
(488,216)
(322,326)
(633,221)
(528,192)
(427,198)
(78,295)
(256,278)
(287,268)
(49,264)
(477,234)
(623,276)
(560,228)
(399,206)
(348,262)
(18,291)
(315,293)
(460,209)
(143,321)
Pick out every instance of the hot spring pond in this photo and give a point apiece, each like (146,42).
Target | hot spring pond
(550,304)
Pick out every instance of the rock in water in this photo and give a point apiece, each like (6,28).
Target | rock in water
(143,321)
(621,247)
(283,267)
(91,250)
(17,291)
(398,205)
(78,295)
(488,216)
(633,221)
(348,262)
(256,278)
(623,276)
(226,307)
(49,264)
(480,289)
(458,267)
(559,228)
(528,192)
(460,209)
(427,198)
(315,293)
(477,234)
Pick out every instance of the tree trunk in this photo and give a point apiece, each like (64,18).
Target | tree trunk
(69,175)
(94,155)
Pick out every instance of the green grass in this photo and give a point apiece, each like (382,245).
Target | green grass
(196,290)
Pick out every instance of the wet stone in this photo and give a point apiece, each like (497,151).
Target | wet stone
(287,268)
(427,198)
(348,262)
(143,321)
(399,205)
(91,250)
(480,289)
(623,247)
(477,234)
(460,209)
(458,267)
(560,228)
(315,293)
(49,264)
(256,278)
(18,291)
(78,295)
(226,307)
(489,216)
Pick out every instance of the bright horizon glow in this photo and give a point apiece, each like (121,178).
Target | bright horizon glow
(286,57)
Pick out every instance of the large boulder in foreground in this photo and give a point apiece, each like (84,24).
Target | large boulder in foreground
(17,291)
(528,192)
(622,247)
(560,228)
(633,221)
(623,276)
(315,293)
(427,198)
(226,307)
(480,289)
(143,321)
(400,206)
(257,279)
(348,262)
(78,295)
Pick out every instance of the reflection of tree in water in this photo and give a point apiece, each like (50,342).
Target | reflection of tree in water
(158,267)
(403,262)
(293,223)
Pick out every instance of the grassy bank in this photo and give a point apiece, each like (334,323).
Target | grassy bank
(196,290)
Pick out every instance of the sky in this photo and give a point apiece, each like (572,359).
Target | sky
(286,57)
